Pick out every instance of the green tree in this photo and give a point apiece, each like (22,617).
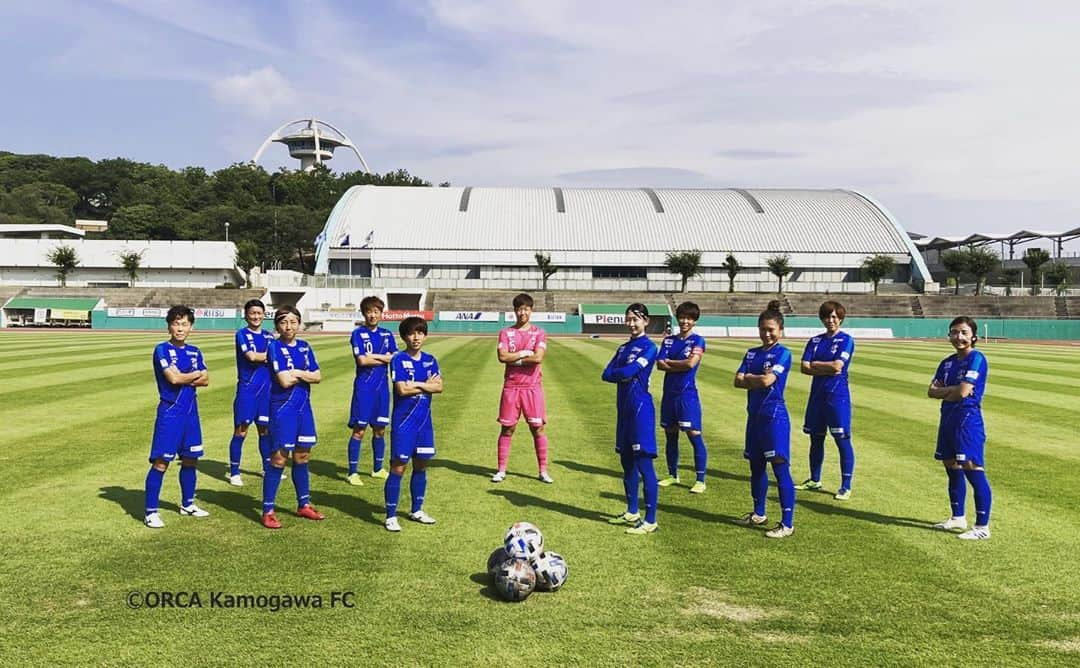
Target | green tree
(66,260)
(1058,275)
(131,261)
(877,267)
(955,262)
(687,264)
(1035,258)
(247,257)
(547,269)
(980,261)
(779,266)
(732,267)
(41,202)
(1009,278)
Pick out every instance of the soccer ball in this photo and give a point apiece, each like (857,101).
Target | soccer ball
(524,541)
(551,571)
(515,579)
(495,560)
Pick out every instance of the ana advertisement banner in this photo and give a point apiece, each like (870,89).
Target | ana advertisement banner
(474,316)
(537,316)
(396,316)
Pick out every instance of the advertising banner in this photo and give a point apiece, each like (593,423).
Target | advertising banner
(537,316)
(396,316)
(475,316)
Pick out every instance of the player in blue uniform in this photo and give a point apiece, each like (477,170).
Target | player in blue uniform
(680,406)
(763,373)
(179,369)
(415,375)
(292,423)
(635,422)
(372,348)
(828,410)
(959,383)
(252,402)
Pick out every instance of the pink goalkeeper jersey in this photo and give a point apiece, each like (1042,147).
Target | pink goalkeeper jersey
(515,340)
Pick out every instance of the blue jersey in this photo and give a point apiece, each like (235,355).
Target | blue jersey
(256,374)
(378,341)
(678,348)
(630,369)
(185,359)
(283,357)
(767,402)
(824,348)
(412,412)
(972,369)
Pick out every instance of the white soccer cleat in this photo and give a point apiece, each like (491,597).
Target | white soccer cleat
(499,476)
(752,520)
(154,521)
(780,531)
(976,533)
(236,480)
(952,523)
(193,511)
(392,524)
(544,477)
(421,517)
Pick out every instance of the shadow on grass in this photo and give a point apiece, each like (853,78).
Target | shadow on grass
(529,501)
(864,515)
(487,591)
(472,469)
(325,469)
(246,506)
(692,513)
(132,501)
(352,505)
(661,470)
(590,469)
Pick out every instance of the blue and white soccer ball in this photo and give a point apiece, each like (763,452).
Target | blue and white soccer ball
(551,571)
(524,541)
(514,579)
(495,560)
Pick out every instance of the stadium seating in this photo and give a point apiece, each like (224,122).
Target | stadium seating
(878,306)
(1072,307)
(200,297)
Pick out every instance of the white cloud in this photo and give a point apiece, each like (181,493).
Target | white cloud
(262,92)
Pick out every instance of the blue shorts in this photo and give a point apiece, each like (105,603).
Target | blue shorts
(829,416)
(408,443)
(682,410)
(963,438)
(177,433)
(635,430)
(252,404)
(292,426)
(370,407)
(768,438)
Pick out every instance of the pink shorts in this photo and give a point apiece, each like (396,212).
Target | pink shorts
(518,400)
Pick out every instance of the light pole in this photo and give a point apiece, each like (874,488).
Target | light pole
(226,230)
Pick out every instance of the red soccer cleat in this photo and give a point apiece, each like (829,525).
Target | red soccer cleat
(270,521)
(309,512)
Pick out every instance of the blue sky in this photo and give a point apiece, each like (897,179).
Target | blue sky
(959,117)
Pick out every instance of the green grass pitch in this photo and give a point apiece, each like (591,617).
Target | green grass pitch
(863,582)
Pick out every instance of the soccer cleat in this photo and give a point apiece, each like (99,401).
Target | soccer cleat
(154,521)
(270,520)
(809,483)
(669,481)
(976,533)
(625,518)
(236,480)
(381,474)
(752,520)
(698,488)
(642,528)
(779,531)
(499,476)
(392,524)
(842,495)
(544,477)
(952,523)
(193,511)
(308,512)
(354,479)
(421,517)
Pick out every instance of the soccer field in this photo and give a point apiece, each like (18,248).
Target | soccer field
(862,582)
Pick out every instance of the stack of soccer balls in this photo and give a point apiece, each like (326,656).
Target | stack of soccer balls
(521,565)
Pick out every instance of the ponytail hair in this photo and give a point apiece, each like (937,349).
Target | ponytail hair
(772,312)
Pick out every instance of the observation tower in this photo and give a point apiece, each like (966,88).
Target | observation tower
(310,141)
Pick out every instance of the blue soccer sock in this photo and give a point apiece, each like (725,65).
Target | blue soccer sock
(980,488)
(817,456)
(417,489)
(154,478)
(701,456)
(187,485)
(785,486)
(759,484)
(647,471)
(301,480)
(236,446)
(378,452)
(391,493)
(264,450)
(847,462)
(671,452)
(630,481)
(957,491)
(355,445)
(271,482)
